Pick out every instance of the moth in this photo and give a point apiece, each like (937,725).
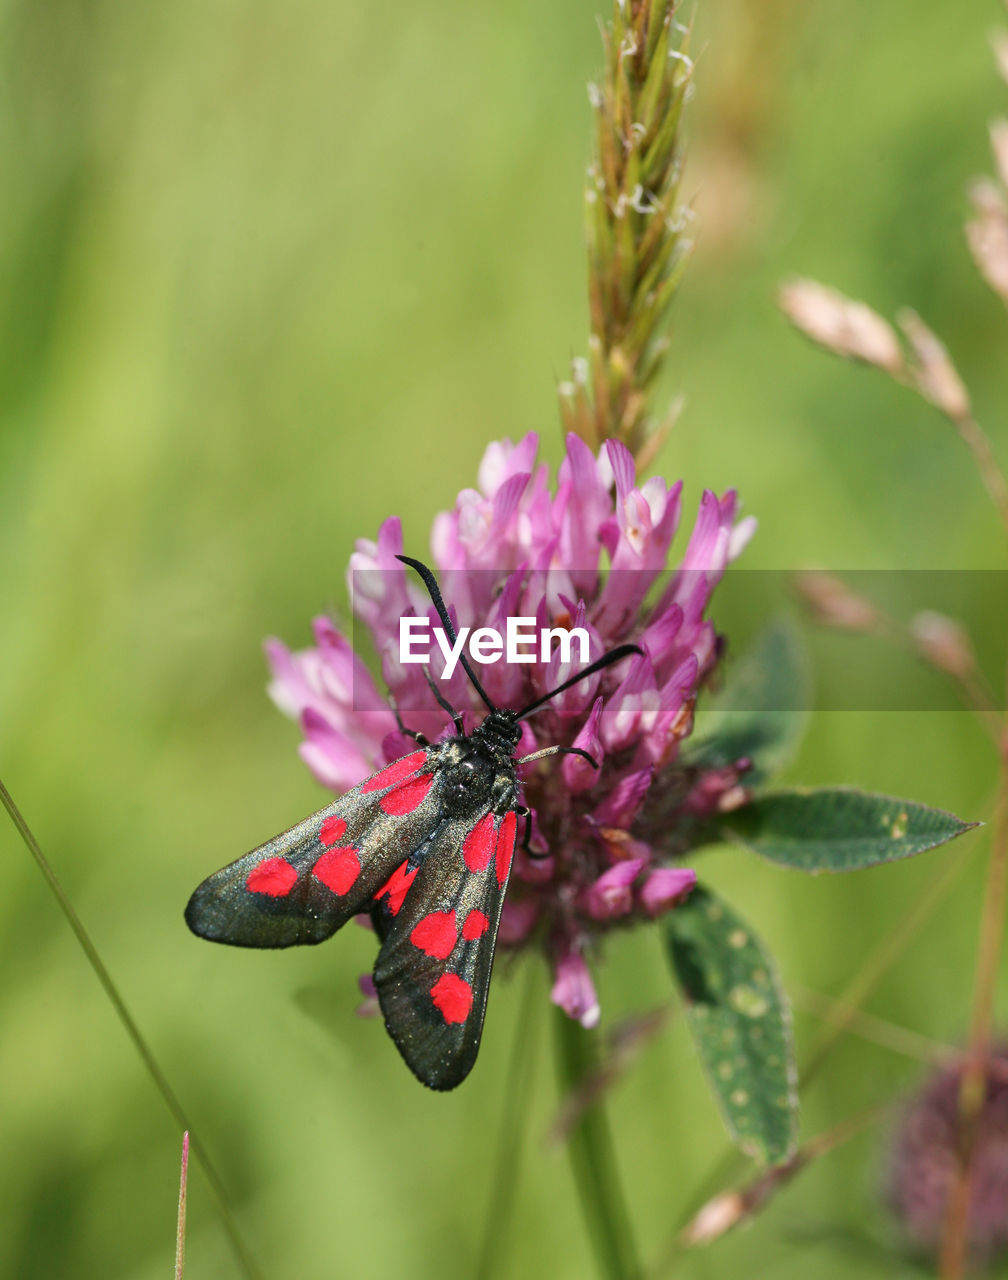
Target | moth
(424,846)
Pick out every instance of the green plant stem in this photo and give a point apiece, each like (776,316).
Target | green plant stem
(973,1089)
(978,443)
(514,1118)
(593,1158)
(877,1031)
(133,1031)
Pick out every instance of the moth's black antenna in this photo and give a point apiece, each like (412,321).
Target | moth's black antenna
(614,655)
(430,582)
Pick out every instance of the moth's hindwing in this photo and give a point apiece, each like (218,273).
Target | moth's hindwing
(433,971)
(302,885)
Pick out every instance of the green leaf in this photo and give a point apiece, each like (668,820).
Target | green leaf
(741,1021)
(838,828)
(762,710)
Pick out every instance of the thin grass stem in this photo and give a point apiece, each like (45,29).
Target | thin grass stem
(181,1220)
(132,1030)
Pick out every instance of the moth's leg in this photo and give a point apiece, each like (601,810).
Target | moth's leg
(417,737)
(523,811)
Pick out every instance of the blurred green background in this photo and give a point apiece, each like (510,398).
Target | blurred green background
(272,272)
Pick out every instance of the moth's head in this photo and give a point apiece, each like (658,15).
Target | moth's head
(502,726)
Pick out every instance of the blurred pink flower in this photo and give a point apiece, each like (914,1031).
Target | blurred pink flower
(590,555)
(924,1159)
(574,991)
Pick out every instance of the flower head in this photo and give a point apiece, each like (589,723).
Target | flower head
(925,1159)
(588,554)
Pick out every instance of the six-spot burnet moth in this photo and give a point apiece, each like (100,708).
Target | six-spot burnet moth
(425,847)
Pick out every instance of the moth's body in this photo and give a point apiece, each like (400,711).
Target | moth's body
(480,767)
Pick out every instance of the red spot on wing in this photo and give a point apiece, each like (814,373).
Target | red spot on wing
(338,869)
(436,934)
(274,876)
(478,846)
(397,885)
(476,925)
(505,846)
(453,996)
(407,796)
(395,772)
(331,830)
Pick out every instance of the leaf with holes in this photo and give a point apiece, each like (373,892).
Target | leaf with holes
(838,828)
(741,1022)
